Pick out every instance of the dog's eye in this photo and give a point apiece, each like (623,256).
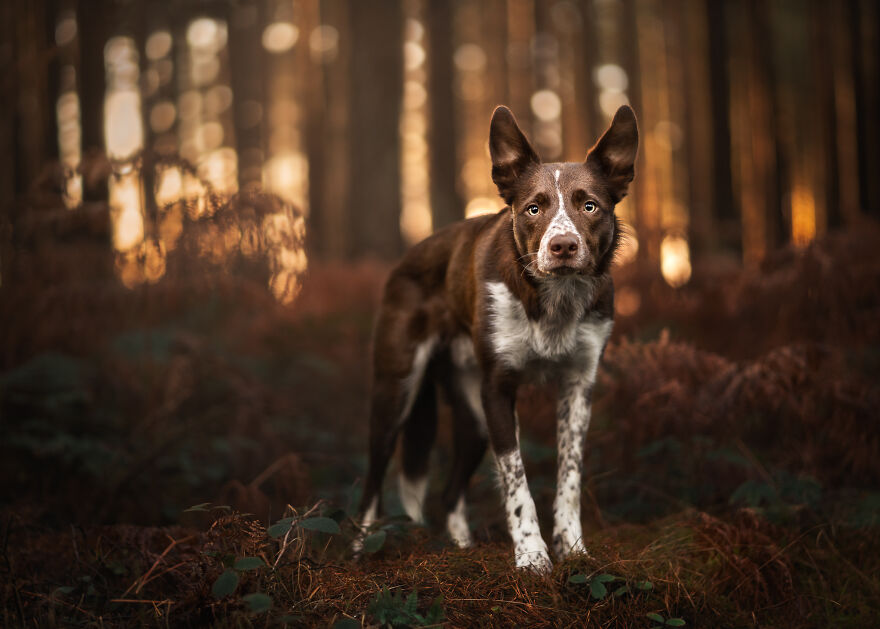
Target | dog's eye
(589,206)
(533,209)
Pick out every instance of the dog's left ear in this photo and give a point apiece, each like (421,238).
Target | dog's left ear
(614,155)
(510,150)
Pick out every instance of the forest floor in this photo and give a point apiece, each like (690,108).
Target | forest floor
(190,453)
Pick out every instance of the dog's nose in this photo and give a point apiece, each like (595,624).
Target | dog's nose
(563,246)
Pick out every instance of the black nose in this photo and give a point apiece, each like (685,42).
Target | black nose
(563,246)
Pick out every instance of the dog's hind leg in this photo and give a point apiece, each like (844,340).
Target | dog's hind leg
(419,431)
(398,396)
(462,388)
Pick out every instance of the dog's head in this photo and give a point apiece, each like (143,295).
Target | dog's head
(563,214)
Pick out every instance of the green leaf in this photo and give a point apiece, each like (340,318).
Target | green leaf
(322,524)
(577,578)
(598,590)
(225,584)
(347,623)
(644,585)
(623,589)
(258,602)
(248,563)
(412,603)
(374,542)
(655,617)
(604,578)
(280,528)
(64,589)
(675,622)
(199,507)
(435,612)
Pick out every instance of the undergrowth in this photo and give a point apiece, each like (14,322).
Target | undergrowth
(153,440)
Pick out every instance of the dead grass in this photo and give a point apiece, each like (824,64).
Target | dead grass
(733,460)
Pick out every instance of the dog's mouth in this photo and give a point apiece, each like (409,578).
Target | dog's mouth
(560,270)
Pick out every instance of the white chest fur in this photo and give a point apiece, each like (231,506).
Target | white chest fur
(517,340)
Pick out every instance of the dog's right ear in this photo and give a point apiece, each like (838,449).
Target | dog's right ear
(510,150)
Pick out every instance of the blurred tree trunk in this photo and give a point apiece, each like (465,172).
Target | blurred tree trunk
(632,67)
(845,137)
(769,157)
(94,19)
(864,86)
(821,24)
(697,115)
(583,49)
(315,97)
(8,85)
(330,228)
(446,203)
(719,88)
(247,89)
(377,81)
(33,56)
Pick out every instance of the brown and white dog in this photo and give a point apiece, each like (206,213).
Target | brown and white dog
(489,303)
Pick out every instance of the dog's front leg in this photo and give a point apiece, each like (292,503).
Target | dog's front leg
(499,400)
(573,419)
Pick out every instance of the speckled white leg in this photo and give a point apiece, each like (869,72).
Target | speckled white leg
(529,548)
(573,417)
(456,524)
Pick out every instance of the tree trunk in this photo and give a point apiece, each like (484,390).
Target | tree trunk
(93,20)
(725,214)
(376,79)
(446,204)
(247,88)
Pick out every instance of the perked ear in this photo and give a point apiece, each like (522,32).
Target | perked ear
(510,150)
(614,155)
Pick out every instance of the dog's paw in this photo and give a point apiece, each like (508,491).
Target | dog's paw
(534,557)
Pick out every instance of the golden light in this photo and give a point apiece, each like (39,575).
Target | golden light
(612,77)
(65,29)
(125,211)
(627,301)
(69,146)
(122,124)
(803,215)
(546,105)
(220,169)
(416,222)
(280,37)
(287,175)
(158,45)
(206,34)
(413,55)
(675,260)
(482,205)
(170,186)
(162,116)
(218,99)
(123,127)
(610,102)
(209,136)
(324,43)
(284,234)
(668,135)
(470,58)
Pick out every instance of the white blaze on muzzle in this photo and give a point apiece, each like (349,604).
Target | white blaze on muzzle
(560,224)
